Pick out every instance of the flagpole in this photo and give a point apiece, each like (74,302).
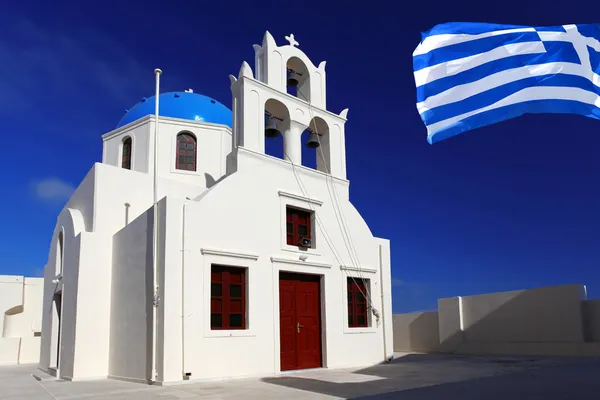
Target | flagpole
(156,298)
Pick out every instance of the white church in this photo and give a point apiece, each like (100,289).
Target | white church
(190,254)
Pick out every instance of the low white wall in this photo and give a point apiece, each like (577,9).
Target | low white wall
(30,350)
(450,330)
(548,321)
(9,350)
(591,315)
(417,332)
(20,321)
(19,350)
(543,315)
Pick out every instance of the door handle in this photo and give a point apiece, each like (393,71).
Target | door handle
(298,326)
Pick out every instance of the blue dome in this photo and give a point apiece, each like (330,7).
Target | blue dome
(191,106)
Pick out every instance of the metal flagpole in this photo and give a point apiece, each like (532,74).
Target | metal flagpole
(156,299)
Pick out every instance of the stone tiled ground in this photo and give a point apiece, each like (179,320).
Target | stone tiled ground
(409,377)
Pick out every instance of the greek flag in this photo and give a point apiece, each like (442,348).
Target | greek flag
(469,75)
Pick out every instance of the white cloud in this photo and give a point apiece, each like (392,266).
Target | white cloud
(397,282)
(53,189)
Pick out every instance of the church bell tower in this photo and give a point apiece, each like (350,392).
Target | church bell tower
(286,96)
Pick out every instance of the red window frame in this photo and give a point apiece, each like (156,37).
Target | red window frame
(126,154)
(297,221)
(227,298)
(357,303)
(186,152)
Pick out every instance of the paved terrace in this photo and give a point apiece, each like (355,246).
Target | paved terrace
(408,377)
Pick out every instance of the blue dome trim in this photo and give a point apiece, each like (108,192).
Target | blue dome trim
(183,105)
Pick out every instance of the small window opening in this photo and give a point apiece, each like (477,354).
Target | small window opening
(298,227)
(126,153)
(357,303)
(227,298)
(186,152)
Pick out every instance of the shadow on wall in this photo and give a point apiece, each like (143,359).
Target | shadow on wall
(416,332)
(131,316)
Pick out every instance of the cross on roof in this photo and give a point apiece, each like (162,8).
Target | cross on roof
(292,41)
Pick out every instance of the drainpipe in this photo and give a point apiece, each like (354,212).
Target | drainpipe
(154,376)
(183,295)
(385,356)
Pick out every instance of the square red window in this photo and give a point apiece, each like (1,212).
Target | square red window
(227,297)
(298,227)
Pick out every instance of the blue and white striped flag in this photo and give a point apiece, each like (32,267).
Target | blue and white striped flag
(470,75)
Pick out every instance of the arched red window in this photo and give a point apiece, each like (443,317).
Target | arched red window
(186,152)
(126,157)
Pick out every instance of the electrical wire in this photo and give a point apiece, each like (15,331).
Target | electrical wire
(350,247)
(354,259)
(332,247)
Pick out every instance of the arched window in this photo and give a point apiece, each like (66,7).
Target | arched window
(186,151)
(59,254)
(126,156)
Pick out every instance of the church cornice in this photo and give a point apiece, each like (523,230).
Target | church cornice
(357,269)
(341,118)
(299,197)
(173,121)
(228,253)
(299,262)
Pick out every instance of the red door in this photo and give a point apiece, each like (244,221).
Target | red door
(300,321)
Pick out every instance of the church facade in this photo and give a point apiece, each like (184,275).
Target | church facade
(201,257)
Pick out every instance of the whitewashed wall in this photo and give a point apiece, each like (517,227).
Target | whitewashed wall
(131,304)
(20,323)
(213,144)
(250,232)
(112,146)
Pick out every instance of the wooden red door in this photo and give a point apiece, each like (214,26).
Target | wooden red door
(300,321)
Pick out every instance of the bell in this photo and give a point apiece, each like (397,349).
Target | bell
(271,130)
(292,79)
(313,141)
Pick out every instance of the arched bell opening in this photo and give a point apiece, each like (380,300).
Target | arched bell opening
(298,79)
(309,152)
(315,146)
(277,121)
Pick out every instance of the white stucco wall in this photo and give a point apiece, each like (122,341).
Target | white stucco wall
(20,322)
(214,142)
(109,198)
(93,306)
(71,223)
(249,233)
(106,327)
(131,310)
(139,132)
(271,68)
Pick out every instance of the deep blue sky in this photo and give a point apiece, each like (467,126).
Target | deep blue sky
(510,206)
